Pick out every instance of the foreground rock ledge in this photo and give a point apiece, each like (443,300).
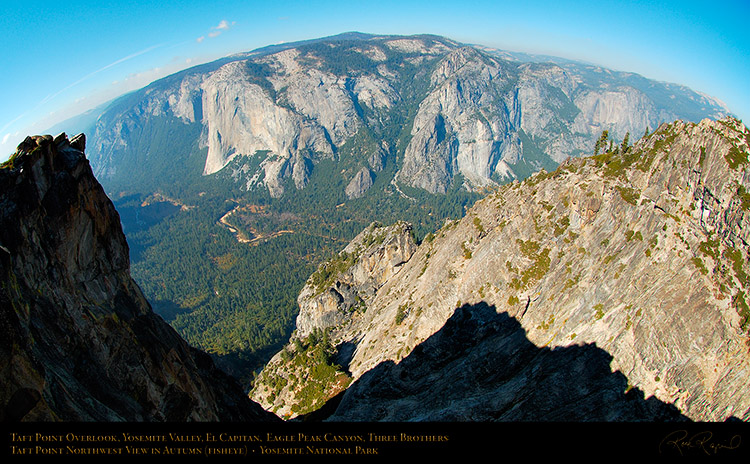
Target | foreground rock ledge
(80,342)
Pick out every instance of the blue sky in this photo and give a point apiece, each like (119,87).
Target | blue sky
(61,58)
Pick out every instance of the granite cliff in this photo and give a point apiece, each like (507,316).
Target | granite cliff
(614,288)
(440,112)
(79,340)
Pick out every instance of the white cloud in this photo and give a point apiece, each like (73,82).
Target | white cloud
(224,25)
(5,138)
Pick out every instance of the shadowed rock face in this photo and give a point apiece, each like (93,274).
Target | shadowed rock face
(481,367)
(79,341)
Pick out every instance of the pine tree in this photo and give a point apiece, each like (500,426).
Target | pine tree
(602,142)
(625,143)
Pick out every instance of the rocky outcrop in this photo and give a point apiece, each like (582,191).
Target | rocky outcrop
(619,282)
(350,281)
(241,118)
(359,184)
(335,299)
(80,342)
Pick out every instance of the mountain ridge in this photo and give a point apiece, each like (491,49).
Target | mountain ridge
(275,69)
(633,260)
(640,251)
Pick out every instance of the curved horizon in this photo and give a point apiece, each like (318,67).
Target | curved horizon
(87,54)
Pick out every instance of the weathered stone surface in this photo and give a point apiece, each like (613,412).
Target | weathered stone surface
(334,300)
(373,257)
(80,342)
(634,265)
(466,124)
(241,118)
(359,184)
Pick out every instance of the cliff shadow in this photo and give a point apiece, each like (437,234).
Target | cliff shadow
(482,367)
(344,355)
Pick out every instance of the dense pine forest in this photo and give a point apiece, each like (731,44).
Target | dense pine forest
(230,287)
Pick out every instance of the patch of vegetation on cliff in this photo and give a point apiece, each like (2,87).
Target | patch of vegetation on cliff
(401,313)
(540,263)
(633,235)
(598,311)
(735,258)
(744,197)
(478,225)
(699,264)
(743,310)
(466,251)
(660,145)
(11,162)
(545,325)
(312,377)
(562,225)
(629,195)
(616,159)
(327,272)
(735,158)
(710,247)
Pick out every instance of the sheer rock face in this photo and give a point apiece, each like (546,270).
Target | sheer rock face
(80,342)
(453,110)
(618,282)
(372,258)
(467,123)
(361,182)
